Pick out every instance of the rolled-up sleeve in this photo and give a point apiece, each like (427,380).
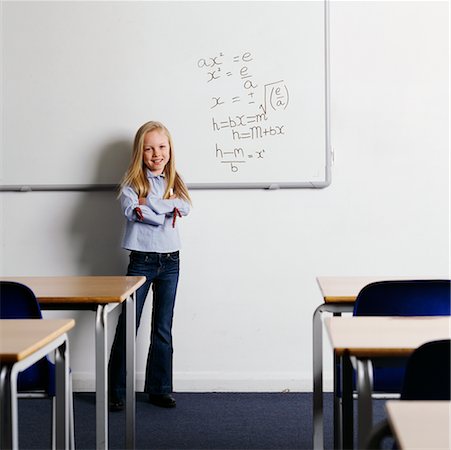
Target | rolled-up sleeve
(183,207)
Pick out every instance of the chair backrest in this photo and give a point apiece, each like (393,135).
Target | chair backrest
(18,301)
(428,372)
(405,298)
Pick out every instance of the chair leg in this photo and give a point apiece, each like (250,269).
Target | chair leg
(347,408)
(53,423)
(71,418)
(379,432)
(71,415)
(365,404)
(338,437)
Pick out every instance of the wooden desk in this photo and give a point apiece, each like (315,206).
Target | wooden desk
(22,343)
(100,294)
(420,424)
(368,337)
(339,294)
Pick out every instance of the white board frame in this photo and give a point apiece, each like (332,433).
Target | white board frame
(229,185)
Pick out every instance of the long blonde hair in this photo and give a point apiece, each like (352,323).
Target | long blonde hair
(136,177)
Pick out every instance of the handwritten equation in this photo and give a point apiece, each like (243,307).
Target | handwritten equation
(246,115)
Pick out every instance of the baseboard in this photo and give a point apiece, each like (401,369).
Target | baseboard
(219,382)
(241,382)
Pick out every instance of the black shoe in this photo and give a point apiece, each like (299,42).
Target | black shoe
(116,405)
(163,400)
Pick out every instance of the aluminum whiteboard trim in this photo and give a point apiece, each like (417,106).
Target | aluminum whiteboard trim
(328,149)
(193,186)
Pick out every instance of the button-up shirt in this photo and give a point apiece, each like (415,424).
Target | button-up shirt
(155,232)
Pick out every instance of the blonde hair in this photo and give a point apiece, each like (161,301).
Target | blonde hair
(136,177)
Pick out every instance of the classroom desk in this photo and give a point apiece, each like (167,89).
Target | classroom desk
(363,338)
(100,294)
(420,424)
(20,350)
(339,294)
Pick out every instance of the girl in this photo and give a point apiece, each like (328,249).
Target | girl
(152,196)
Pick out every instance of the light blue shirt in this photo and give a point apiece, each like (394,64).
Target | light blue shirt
(155,233)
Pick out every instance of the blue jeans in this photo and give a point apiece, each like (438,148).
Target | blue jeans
(162,272)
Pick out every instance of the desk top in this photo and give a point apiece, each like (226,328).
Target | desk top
(346,289)
(420,424)
(20,338)
(385,336)
(88,289)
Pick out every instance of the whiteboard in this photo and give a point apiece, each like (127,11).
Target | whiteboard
(242,86)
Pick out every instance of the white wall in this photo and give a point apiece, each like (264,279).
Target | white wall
(247,290)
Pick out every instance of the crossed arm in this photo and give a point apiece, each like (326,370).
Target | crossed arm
(152,210)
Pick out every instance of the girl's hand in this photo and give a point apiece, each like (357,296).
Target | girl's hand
(175,213)
(139,214)
(142,200)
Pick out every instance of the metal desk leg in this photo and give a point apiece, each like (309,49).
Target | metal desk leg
(8,394)
(318,421)
(62,395)
(102,374)
(8,409)
(101,378)
(365,405)
(338,438)
(130,324)
(347,402)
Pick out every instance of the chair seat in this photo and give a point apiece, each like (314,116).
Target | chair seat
(40,376)
(388,379)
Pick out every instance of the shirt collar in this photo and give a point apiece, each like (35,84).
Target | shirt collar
(151,175)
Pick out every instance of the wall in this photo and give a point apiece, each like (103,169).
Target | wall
(250,258)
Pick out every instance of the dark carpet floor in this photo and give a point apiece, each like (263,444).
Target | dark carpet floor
(226,421)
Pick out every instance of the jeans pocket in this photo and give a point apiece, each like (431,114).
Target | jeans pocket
(138,257)
(174,257)
(140,263)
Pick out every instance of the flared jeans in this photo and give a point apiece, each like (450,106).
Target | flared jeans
(162,273)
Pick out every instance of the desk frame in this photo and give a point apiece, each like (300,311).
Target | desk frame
(318,415)
(9,438)
(340,301)
(364,385)
(75,299)
(101,358)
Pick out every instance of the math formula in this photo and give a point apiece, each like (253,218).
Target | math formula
(246,111)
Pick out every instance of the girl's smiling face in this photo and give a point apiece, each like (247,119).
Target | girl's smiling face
(156,151)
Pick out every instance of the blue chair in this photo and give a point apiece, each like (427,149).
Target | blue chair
(400,298)
(427,377)
(428,372)
(18,301)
